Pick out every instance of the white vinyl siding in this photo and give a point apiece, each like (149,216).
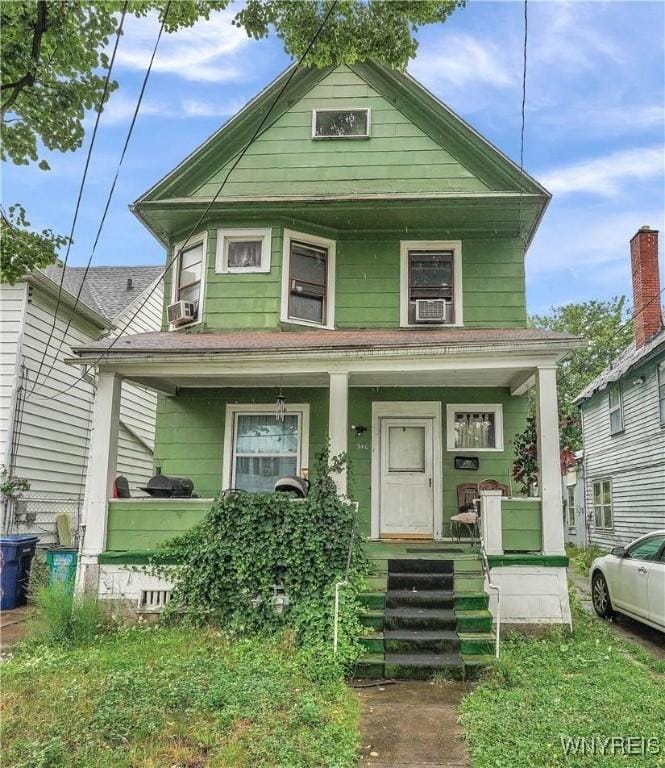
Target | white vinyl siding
(12,312)
(634,460)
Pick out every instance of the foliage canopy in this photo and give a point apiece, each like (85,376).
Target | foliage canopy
(604,325)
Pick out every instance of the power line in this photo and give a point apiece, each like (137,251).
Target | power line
(111,190)
(201,218)
(102,100)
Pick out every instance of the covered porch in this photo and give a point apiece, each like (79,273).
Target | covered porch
(399,404)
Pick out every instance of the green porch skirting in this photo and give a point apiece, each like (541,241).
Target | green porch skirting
(143,524)
(521,525)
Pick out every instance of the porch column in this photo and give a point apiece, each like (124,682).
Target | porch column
(491,521)
(100,476)
(338,421)
(549,462)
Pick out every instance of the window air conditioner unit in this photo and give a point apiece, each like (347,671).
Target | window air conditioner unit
(181,312)
(431,310)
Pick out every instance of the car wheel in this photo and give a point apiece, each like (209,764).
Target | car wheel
(600,595)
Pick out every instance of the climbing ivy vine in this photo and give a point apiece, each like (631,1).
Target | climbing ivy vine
(226,568)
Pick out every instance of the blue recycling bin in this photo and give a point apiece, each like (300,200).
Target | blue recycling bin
(16,553)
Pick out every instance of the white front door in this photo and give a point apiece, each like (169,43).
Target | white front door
(406,461)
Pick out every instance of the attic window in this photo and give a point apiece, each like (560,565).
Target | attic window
(340,123)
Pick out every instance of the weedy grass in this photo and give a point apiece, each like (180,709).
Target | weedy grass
(156,696)
(582,557)
(62,618)
(585,684)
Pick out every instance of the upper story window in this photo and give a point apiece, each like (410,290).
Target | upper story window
(615,399)
(188,281)
(661,392)
(340,123)
(431,283)
(243,250)
(308,280)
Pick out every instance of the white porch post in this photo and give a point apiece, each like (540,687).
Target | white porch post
(338,419)
(549,462)
(491,521)
(100,476)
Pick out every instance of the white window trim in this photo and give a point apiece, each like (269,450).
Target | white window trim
(601,506)
(222,251)
(342,109)
(453,408)
(202,237)
(571,508)
(234,409)
(619,408)
(323,242)
(445,245)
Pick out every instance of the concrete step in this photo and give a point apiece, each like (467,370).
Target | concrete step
(427,598)
(420,581)
(419,618)
(416,641)
(411,666)
(403,565)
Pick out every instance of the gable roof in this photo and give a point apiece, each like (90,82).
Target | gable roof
(105,292)
(630,359)
(497,174)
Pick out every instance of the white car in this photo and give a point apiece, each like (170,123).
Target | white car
(631,580)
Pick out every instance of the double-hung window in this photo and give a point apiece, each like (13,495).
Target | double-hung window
(615,400)
(259,449)
(661,392)
(602,504)
(570,506)
(308,280)
(431,283)
(188,274)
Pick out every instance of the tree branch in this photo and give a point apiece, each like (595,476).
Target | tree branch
(28,80)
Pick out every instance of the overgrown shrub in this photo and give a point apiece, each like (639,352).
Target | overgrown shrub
(582,557)
(229,564)
(62,618)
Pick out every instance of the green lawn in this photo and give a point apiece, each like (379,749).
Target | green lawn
(175,698)
(589,684)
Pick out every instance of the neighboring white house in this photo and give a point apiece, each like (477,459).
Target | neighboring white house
(623,418)
(44,432)
(575,520)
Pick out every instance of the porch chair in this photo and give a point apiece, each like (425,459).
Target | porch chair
(468,502)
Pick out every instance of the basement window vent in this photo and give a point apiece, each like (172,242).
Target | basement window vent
(154,599)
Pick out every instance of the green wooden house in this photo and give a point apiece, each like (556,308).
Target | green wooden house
(363,264)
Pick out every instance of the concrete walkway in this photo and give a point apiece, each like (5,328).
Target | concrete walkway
(412,724)
(648,638)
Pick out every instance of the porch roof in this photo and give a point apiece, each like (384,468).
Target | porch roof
(480,339)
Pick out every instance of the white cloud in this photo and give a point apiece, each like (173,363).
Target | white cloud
(205,52)
(606,175)
(199,108)
(120,109)
(466,60)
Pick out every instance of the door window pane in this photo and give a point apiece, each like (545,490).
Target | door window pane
(406,449)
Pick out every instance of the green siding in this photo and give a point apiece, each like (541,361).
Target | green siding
(521,525)
(286,160)
(190,434)
(143,524)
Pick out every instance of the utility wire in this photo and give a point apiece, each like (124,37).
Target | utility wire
(111,190)
(102,100)
(201,218)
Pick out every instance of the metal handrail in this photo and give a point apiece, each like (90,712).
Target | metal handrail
(345,581)
(496,588)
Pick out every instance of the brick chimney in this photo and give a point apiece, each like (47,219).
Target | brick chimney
(646,285)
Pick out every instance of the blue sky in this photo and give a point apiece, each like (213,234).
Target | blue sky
(594,127)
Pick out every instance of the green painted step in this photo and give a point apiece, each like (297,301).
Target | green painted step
(475,666)
(473,621)
(370,666)
(471,601)
(428,641)
(476,643)
(372,619)
(372,643)
(469,582)
(374,601)
(376,583)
